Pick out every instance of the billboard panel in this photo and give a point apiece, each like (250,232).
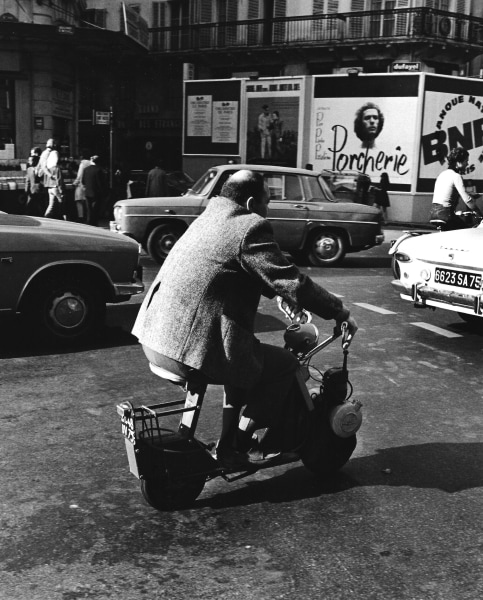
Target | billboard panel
(212,117)
(367,124)
(453,116)
(272,121)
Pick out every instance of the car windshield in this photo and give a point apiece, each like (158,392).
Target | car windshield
(205,182)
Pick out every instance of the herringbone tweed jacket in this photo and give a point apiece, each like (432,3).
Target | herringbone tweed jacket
(201,308)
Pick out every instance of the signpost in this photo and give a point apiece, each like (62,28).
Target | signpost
(106,118)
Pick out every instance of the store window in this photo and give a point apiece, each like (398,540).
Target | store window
(7,112)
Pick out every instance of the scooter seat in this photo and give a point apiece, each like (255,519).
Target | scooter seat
(165,374)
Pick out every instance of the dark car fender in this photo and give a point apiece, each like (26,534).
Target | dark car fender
(94,271)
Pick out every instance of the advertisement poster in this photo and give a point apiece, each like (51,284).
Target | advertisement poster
(225,122)
(453,116)
(212,117)
(199,116)
(273,111)
(365,124)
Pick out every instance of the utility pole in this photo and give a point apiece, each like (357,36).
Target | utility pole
(111,147)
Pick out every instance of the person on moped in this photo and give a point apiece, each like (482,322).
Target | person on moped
(198,317)
(449,188)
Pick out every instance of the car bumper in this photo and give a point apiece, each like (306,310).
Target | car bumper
(469,302)
(115,227)
(123,291)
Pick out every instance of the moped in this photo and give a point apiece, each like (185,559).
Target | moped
(317,426)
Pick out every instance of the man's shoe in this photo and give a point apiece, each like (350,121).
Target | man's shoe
(230,458)
(260,457)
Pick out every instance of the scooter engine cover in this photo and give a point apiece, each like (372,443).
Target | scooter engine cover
(301,337)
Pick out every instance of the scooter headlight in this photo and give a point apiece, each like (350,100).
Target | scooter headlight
(301,337)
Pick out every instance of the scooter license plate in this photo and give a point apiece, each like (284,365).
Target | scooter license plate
(456,278)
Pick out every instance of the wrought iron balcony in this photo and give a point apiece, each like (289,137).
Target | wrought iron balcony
(411,25)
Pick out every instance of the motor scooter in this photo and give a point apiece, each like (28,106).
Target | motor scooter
(317,426)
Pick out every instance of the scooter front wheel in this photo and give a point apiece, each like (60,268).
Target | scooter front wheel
(164,495)
(333,457)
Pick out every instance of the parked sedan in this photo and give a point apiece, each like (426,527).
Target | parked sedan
(60,274)
(442,270)
(307,220)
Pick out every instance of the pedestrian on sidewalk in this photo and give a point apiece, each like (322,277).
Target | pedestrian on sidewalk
(95,181)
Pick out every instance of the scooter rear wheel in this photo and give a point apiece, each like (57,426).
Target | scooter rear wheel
(165,495)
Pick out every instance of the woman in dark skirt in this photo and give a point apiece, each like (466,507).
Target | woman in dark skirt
(381,195)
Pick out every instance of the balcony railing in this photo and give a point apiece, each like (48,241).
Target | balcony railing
(356,27)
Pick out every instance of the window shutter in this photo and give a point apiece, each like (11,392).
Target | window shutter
(158,38)
(206,33)
(356,23)
(231,15)
(254,31)
(318,25)
(279,10)
(402,20)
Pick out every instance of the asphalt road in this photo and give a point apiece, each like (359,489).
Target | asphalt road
(402,521)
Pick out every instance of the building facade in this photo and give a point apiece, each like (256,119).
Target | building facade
(57,70)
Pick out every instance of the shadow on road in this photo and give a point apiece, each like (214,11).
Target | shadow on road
(17,339)
(447,467)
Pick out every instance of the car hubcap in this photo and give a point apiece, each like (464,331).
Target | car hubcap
(325,247)
(68,311)
(167,242)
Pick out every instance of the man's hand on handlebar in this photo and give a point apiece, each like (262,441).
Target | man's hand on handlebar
(346,325)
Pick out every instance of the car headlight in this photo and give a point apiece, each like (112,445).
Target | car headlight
(117,213)
(402,257)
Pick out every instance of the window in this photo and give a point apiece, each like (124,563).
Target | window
(284,187)
(96,16)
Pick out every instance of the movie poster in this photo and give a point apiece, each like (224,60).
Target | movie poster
(273,112)
(366,124)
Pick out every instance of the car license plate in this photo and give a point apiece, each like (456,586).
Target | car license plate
(471,281)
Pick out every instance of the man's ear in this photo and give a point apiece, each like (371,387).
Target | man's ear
(249,203)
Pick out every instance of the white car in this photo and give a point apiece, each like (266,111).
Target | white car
(442,270)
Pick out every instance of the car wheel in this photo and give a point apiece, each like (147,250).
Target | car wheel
(68,310)
(476,322)
(161,240)
(325,248)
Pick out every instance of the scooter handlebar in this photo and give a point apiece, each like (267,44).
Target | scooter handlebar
(301,316)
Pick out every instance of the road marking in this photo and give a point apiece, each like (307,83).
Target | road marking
(439,330)
(377,309)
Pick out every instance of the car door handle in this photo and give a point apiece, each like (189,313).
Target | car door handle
(7,259)
(169,211)
(299,206)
